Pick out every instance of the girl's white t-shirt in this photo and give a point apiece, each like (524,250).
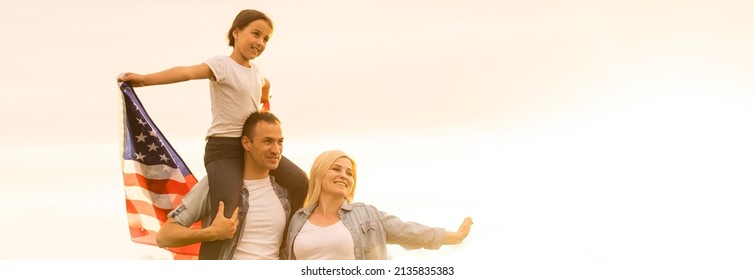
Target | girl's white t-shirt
(235,93)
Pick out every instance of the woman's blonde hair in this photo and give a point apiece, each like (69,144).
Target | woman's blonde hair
(321,164)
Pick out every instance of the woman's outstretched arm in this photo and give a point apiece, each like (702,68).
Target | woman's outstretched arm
(458,236)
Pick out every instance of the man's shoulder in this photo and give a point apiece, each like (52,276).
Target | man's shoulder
(277,186)
(193,205)
(198,192)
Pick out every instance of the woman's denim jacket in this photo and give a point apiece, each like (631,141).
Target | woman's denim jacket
(371,230)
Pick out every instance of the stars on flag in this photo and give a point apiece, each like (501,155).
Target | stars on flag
(148,147)
(148,151)
(141,138)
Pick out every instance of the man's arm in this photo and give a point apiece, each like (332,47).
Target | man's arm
(173,234)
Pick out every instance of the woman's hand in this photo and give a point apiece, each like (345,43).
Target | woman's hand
(460,235)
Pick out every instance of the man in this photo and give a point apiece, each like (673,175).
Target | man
(256,229)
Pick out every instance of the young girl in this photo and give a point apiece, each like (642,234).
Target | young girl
(237,89)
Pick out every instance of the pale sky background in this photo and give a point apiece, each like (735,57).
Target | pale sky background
(593,138)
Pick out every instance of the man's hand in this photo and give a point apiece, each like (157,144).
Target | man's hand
(223,228)
(173,234)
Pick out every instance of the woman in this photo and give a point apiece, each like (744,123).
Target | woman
(331,226)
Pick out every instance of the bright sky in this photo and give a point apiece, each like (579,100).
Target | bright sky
(610,134)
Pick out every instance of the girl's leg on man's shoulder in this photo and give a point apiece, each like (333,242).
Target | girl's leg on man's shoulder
(291,177)
(223,161)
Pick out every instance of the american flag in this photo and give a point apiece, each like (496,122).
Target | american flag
(154,175)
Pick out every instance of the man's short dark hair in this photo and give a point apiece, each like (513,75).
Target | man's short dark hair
(251,123)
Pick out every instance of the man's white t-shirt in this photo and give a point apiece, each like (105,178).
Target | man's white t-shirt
(265,223)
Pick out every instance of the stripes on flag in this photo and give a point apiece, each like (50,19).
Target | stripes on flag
(155,178)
